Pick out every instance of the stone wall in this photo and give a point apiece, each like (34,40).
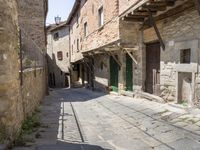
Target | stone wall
(32,20)
(10,103)
(56,66)
(16,101)
(178,32)
(126,4)
(32,90)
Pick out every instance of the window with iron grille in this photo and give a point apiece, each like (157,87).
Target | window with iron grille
(60,55)
(56,36)
(185,55)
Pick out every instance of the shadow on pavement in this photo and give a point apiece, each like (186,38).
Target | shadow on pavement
(69,146)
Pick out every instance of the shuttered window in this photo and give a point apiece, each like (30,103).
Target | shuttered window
(60,55)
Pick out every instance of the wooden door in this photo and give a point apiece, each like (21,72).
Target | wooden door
(129,73)
(152,67)
(114,73)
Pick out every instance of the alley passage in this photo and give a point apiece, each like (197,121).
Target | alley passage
(86,120)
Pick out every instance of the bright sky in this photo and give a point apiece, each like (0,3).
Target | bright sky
(60,8)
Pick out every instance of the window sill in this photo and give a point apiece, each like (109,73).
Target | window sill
(101,28)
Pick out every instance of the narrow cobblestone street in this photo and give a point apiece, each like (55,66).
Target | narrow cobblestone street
(82,119)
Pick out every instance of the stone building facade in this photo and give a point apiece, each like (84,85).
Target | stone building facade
(18,100)
(119,53)
(97,32)
(175,74)
(58,55)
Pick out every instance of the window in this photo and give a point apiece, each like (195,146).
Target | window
(185,55)
(102,65)
(85,29)
(77,18)
(101,17)
(77,45)
(60,55)
(72,49)
(56,36)
(67,54)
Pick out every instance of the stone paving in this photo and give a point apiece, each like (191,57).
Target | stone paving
(114,123)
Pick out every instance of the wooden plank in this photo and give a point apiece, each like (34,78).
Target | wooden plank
(153,23)
(197,5)
(135,61)
(115,58)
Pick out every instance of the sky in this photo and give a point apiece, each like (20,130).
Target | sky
(59,8)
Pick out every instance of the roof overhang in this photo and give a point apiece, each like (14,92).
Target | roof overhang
(113,46)
(139,12)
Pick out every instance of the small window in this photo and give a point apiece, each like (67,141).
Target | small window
(185,56)
(56,36)
(85,29)
(60,55)
(101,65)
(101,17)
(67,54)
(77,45)
(77,18)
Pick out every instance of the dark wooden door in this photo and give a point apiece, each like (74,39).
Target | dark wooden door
(114,72)
(152,67)
(129,73)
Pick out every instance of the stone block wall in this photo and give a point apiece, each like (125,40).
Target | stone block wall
(32,90)
(56,66)
(15,99)
(126,4)
(32,20)
(177,32)
(11,113)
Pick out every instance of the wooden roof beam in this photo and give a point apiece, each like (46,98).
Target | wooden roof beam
(153,23)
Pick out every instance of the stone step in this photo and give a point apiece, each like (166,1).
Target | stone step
(151,97)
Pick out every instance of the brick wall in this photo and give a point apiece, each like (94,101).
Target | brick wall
(96,37)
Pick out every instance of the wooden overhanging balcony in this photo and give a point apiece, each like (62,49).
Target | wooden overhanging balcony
(141,10)
(149,11)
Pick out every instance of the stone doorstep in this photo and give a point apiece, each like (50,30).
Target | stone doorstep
(127,93)
(114,93)
(150,97)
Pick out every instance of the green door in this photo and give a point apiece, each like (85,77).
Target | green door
(129,73)
(114,71)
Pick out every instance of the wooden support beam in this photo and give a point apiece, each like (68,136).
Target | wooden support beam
(129,53)
(88,66)
(197,5)
(153,23)
(115,58)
